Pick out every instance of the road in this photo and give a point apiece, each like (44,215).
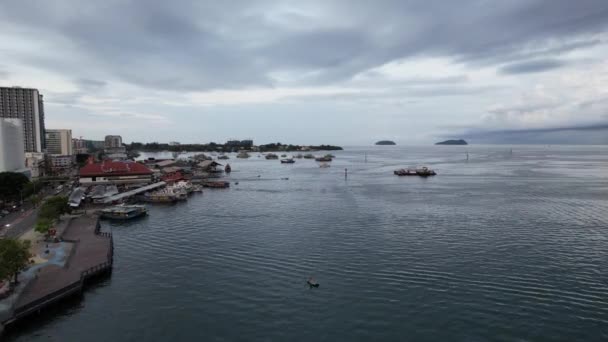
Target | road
(21,222)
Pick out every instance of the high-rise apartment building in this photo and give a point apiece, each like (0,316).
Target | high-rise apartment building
(25,104)
(59,141)
(12,155)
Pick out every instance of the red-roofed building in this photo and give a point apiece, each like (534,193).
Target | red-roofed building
(115,172)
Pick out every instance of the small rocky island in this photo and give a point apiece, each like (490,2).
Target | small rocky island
(452,142)
(385,142)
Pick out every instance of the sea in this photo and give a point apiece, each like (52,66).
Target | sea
(510,244)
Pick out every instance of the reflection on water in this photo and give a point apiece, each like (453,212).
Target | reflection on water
(504,246)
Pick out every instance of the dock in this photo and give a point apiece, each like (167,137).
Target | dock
(133,192)
(91,255)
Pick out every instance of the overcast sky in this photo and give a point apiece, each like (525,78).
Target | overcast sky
(340,72)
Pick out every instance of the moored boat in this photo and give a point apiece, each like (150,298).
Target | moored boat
(288,161)
(272,156)
(243,154)
(228,169)
(124,212)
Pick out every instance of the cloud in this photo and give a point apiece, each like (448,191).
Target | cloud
(3,74)
(197,46)
(529,67)
(473,62)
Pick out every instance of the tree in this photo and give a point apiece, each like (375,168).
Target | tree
(11,184)
(43,225)
(14,257)
(36,200)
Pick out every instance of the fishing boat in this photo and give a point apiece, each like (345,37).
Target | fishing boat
(309,156)
(243,154)
(421,172)
(425,172)
(227,169)
(326,158)
(299,156)
(288,161)
(272,156)
(124,212)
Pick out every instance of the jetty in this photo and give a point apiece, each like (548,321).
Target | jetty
(90,255)
(131,193)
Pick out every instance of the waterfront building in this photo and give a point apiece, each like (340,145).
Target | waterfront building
(59,142)
(112,141)
(12,154)
(26,104)
(115,172)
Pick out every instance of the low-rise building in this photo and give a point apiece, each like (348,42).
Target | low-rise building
(61,163)
(36,163)
(115,172)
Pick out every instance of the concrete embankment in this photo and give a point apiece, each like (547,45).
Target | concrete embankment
(91,255)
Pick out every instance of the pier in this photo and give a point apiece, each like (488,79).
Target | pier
(133,192)
(90,255)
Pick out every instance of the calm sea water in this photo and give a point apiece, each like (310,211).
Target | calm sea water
(502,247)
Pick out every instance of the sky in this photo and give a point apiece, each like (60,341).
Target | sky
(311,72)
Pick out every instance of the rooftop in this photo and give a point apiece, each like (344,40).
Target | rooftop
(114,168)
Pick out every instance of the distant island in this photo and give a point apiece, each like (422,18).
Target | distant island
(385,142)
(452,142)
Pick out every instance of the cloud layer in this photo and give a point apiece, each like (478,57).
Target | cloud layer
(475,63)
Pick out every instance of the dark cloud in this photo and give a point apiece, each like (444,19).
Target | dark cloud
(534,66)
(196,45)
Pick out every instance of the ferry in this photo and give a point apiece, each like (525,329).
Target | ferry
(124,212)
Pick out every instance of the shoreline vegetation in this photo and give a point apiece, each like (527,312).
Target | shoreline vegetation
(228,147)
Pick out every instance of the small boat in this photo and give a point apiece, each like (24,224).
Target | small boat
(288,161)
(299,156)
(324,165)
(228,169)
(223,156)
(283,156)
(272,156)
(124,212)
(312,282)
(325,158)
(243,154)
(309,156)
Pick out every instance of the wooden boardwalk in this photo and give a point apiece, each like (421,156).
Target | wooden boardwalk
(92,254)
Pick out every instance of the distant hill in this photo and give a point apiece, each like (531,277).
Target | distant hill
(385,142)
(452,142)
